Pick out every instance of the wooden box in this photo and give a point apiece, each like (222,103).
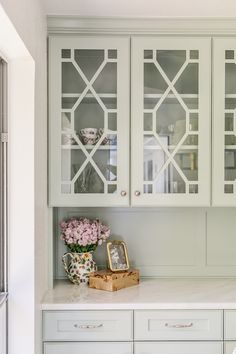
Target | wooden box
(113,281)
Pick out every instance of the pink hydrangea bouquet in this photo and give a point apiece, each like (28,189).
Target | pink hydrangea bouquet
(83,235)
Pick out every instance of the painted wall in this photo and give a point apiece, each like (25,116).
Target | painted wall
(21,205)
(28,18)
(142,8)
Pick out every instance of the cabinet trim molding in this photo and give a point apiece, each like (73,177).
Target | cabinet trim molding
(160,26)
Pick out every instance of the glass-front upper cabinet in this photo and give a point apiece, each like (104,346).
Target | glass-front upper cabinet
(224,122)
(89,121)
(170,128)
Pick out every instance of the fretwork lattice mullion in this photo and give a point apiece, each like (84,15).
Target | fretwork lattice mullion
(172,83)
(170,157)
(89,84)
(88,158)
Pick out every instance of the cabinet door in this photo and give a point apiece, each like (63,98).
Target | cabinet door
(178,325)
(230,325)
(89,121)
(170,121)
(224,122)
(87,326)
(179,348)
(88,348)
(230,348)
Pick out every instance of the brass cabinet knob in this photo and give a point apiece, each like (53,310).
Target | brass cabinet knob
(137,193)
(123,193)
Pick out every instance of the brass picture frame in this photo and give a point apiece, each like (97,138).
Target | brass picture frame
(118,259)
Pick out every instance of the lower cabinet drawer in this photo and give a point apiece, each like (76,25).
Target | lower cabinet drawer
(230,324)
(179,348)
(87,326)
(230,348)
(178,325)
(88,348)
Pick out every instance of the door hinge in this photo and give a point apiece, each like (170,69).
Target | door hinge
(4,137)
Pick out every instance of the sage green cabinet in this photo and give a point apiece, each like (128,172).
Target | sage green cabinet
(171,98)
(224,122)
(88,348)
(230,348)
(88,326)
(174,325)
(230,325)
(88,121)
(179,348)
(139,331)
(160,152)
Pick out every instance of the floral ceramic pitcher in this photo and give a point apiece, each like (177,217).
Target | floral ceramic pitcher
(78,266)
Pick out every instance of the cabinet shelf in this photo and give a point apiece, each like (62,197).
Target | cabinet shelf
(171,95)
(190,100)
(172,147)
(230,147)
(89,95)
(89,147)
(109,99)
(146,95)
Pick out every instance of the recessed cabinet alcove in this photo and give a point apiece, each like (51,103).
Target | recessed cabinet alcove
(130,121)
(143,114)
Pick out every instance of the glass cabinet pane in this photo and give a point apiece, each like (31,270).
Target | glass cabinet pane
(89,121)
(170,121)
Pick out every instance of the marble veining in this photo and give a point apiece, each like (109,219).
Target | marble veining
(207,293)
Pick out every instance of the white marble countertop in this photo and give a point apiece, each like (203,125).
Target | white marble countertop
(153,294)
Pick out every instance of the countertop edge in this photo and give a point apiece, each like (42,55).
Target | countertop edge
(132,307)
(161,294)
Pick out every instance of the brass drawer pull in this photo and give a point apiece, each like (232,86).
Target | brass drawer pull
(88,326)
(179,325)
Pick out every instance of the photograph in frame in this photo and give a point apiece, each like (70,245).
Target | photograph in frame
(117,256)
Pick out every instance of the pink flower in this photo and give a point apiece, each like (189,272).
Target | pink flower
(77,233)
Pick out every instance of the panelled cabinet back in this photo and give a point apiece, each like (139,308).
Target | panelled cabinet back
(163,158)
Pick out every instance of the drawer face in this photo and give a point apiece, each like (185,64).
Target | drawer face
(87,325)
(178,325)
(179,348)
(230,348)
(230,325)
(88,348)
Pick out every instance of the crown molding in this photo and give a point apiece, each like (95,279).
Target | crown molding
(124,25)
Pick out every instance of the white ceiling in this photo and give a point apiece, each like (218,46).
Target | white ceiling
(142,8)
